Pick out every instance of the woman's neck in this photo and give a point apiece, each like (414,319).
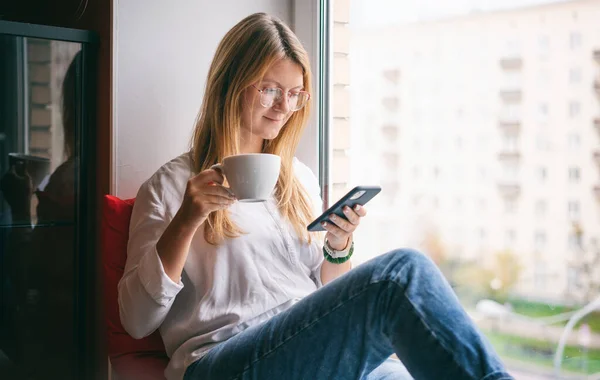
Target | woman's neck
(252,144)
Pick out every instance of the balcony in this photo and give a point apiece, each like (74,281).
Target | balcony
(511,62)
(509,190)
(511,95)
(509,155)
(596,55)
(510,126)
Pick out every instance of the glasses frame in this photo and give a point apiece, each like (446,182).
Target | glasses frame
(283,93)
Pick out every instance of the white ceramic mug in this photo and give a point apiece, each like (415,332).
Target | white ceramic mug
(252,177)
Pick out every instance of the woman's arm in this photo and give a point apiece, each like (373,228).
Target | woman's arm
(330,271)
(339,237)
(146,292)
(158,249)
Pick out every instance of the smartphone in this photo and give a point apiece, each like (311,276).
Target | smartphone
(359,195)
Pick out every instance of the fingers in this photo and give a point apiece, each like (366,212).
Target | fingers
(351,215)
(341,228)
(218,200)
(343,224)
(217,190)
(360,210)
(206,176)
(335,230)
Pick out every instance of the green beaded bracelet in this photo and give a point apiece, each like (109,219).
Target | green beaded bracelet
(338,260)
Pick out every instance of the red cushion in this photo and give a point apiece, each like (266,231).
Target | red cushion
(130,358)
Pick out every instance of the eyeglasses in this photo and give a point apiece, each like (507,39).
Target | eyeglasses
(271,95)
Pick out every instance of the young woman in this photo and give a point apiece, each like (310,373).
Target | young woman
(240,290)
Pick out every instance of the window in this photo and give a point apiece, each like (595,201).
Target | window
(543,111)
(450,83)
(510,237)
(510,143)
(574,40)
(574,142)
(540,208)
(574,109)
(574,242)
(574,175)
(543,43)
(573,210)
(511,171)
(575,75)
(541,174)
(540,240)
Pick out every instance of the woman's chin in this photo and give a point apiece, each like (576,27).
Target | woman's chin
(271,133)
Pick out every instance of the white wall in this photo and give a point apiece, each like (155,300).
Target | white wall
(162,51)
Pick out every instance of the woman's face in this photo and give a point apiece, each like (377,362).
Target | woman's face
(264,123)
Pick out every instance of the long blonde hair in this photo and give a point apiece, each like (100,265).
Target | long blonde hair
(242,58)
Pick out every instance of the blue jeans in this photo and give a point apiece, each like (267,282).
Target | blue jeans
(395,303)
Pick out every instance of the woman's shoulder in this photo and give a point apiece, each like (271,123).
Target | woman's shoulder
(171,178)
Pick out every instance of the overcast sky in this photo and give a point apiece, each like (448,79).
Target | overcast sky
(367,13)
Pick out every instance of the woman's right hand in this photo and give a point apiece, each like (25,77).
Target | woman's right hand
(204,194)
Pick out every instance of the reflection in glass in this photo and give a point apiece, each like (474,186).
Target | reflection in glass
(38,113)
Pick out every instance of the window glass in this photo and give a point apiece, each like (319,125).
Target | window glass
(476,125)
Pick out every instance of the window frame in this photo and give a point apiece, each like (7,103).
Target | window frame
(312,25)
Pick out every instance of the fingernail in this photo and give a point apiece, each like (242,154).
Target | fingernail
(357,207)
(333,217)
(324,224)
(346,209)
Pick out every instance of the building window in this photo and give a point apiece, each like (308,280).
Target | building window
(574,175)
(542,173)
(510,238)
(511,172)
(574,242)
(575,75)
(540,208)
(510,143)
(574,109)
(574,142)
(543,111)
(573,210)
(574,40)
(540,240)
(544,43)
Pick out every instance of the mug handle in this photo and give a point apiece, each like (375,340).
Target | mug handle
(218,167)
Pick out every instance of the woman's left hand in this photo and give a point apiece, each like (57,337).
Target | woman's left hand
(339,233)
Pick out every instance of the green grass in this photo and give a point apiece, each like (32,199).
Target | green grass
(537,310)
(542,353)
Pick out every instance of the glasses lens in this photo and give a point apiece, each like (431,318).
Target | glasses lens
(298,100)
(269,96)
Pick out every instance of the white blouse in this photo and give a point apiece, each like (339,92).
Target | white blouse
(223,289)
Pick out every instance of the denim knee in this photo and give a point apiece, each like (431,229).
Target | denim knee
(404,265)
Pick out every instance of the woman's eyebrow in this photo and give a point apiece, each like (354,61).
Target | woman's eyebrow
(279,84)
